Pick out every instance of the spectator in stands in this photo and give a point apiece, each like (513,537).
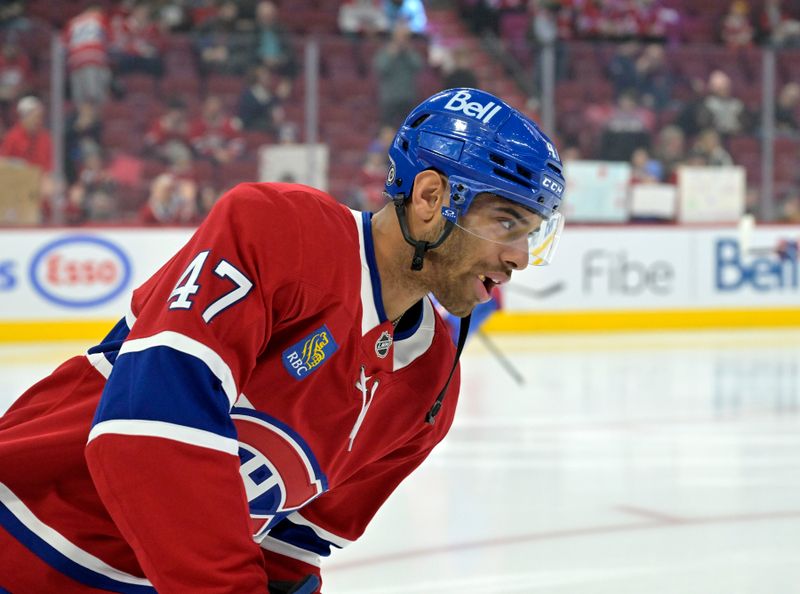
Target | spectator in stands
(137,42)
(778,26)
(260,104)
(13,18)
(383,140)
(653,78)
(709,145)
(168,136)
(670,150)
(223,43)
(459,70)
(544,32)
(737,31)
(645,170)
(207,196)
(570,153)
(658,22)
(370,183)
(629,127)
(215,135)
(362,18)
(410,12)
(726,113)
(789,207)
(590,22)
(397,66)
(15,76)
(83,132)
(172,201)
(28,140)
(622,68)
(175,15)
(273,44)
(87,38)
(481,16)
(90,198)
(786,110)
(693,116)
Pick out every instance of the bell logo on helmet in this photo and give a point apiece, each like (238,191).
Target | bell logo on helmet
(460,102)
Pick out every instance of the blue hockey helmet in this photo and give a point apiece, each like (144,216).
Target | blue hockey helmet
(481,144)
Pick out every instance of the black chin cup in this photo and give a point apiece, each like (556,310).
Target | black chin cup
(420,247)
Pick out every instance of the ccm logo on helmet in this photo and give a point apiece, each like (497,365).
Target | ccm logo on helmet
(552,185)
(461,102)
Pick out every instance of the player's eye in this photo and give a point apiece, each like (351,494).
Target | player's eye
(507,224)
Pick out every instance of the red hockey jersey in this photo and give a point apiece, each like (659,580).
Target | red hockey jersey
(253,410)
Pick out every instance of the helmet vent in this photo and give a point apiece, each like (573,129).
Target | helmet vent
(404,144)
(512,178)
(526,173)
(554,168)
(497,159)
(420,119)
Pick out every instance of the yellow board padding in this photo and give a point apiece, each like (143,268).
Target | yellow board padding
(674,319)
(501,322)
(51,330)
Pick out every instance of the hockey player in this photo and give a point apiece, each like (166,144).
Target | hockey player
(278,377)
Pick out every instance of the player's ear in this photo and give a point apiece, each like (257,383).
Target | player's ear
(429,195)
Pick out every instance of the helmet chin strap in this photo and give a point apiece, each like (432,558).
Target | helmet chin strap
(420,247)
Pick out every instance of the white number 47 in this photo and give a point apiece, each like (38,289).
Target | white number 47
(187,286)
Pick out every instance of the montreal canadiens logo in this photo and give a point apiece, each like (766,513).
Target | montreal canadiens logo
(383,344)
(80,271)
(278,469)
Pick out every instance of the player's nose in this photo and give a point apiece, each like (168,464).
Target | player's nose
(515,255)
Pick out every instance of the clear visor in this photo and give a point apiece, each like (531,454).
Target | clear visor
(529,231)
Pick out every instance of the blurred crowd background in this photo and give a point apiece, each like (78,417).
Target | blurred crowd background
(145,111)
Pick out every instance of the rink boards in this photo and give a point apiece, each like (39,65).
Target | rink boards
(69,283)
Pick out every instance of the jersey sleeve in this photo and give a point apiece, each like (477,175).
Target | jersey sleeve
(162,450)
(297,545)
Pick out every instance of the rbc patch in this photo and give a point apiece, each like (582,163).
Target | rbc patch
(308,354)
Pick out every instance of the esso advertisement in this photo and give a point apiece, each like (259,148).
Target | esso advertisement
(61,275)
(80,271)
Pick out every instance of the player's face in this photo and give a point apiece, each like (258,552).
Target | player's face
(488,244)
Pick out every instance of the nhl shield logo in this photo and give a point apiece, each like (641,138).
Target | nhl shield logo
(383,344)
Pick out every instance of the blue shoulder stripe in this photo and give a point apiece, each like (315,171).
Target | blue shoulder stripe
(111,344)
(164,384)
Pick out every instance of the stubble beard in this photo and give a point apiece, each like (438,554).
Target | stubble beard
(448,279)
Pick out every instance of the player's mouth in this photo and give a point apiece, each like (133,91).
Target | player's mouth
(486,282)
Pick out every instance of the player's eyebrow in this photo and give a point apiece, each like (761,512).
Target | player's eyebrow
(510,211)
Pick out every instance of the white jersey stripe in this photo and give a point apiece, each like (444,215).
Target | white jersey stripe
(340,542)
(184,344)
(410,348)
(281,548)
(130,319)
(61,544)
(100,363)
(171,431)
(369,317)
